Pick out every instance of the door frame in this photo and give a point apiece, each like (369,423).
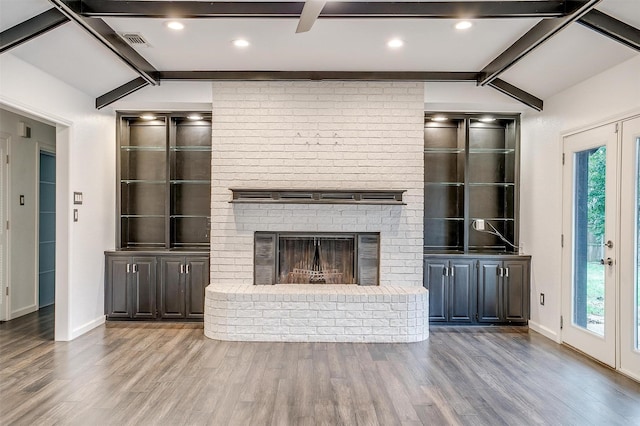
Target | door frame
(64,130)
(5,265)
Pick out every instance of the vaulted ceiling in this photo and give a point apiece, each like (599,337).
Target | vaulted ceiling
(528,50)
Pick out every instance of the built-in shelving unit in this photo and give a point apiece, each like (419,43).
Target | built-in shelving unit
(165,181)
(161,266)
(470,173)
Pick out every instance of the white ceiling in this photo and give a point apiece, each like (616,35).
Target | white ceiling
(73,56)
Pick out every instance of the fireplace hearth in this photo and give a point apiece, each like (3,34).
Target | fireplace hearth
(301,258)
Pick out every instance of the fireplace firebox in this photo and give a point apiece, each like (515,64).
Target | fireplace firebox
(316,258)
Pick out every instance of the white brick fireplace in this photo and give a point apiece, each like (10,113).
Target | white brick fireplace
(317,135)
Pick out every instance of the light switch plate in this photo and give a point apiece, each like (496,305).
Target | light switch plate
(77,198)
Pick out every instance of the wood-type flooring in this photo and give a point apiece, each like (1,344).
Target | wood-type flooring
(170,374)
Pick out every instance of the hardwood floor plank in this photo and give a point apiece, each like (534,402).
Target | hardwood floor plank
(170,374)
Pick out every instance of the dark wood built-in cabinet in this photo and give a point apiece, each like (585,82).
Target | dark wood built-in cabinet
(476,289)
(164,208)
(471,165)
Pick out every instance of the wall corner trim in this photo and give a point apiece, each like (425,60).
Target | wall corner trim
(85,328)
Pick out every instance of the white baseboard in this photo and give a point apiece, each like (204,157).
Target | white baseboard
(23,311)
(77,332)
(545,331)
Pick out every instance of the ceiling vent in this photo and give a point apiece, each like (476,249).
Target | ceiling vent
(135,39)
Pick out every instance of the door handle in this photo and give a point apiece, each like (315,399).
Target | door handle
(608,244)
(609,261)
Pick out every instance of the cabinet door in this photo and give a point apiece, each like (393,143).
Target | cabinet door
(117,287)
(462,291)
(143,276)
(436,281)
(516,291)
(489,294)
(172,294)
(196,280)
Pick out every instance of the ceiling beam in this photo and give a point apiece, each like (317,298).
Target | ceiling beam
(120,92)
(333,9)
(613,28)
(537,35)
(110,39)
(31,28)
(318,75)
(431,76)
(517,94)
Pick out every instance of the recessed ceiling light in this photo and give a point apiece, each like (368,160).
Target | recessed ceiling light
(194,117)
(240,43)
(463,25)
(439,118)
(148,117)
(395,43)
(487,119)
(175,25)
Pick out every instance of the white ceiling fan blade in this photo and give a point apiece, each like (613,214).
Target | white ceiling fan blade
(310,13)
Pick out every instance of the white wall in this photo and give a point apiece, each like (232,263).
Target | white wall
(22,256)
(85,163)
(613,94)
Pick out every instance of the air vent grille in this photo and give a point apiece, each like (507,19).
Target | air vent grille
(135,39)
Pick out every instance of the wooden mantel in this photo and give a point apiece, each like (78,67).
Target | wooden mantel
(317,196)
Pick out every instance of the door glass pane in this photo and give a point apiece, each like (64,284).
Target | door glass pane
(589,221)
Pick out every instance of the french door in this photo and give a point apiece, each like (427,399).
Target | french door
(601,252)
(590,210)
(629,345)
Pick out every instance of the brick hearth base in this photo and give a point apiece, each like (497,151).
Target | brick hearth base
(317,313)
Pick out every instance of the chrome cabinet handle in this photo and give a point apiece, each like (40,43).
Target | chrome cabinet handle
(128,268)
(181,268)
(506,272)
(188,268)
(135,268)
(451,272)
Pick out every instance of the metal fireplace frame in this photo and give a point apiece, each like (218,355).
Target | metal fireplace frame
(363,267)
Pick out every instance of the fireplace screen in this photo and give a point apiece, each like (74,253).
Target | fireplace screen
(316,260)
(291,258)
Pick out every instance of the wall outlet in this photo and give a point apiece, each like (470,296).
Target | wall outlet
(479,224)
(542,299)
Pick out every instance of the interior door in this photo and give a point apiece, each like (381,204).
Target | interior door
(630,249)
(590,209)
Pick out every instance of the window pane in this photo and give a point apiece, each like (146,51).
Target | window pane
(589,221)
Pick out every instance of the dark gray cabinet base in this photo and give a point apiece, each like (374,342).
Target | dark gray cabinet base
(155,285)
(478,289)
